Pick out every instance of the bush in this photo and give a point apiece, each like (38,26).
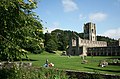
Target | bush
(31,73)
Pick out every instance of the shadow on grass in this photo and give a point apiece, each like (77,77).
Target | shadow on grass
(114,58)
(115,71)
(114,64)
(25,59)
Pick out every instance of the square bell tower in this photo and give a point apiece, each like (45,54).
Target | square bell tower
(90,31)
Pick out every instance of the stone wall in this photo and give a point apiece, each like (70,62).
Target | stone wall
(89,43)
(90,75)
(79,46)
(104,51)
(12,64)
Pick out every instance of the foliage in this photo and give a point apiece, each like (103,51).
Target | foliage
(50,43)
(107,39)
(20,29)
(47,37)
(31,73)
(59,38)
(81,35)
(51,46)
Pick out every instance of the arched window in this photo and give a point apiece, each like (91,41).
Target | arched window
(92,30)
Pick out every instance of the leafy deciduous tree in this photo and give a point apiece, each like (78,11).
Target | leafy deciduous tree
(19,28)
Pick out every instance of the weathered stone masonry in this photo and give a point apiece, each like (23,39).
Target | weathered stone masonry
(89,45)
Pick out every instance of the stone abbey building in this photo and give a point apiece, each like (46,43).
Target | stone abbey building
(90,46)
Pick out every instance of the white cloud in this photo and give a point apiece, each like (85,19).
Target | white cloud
(54,26)
(69,5)
(113,33)
(97,16)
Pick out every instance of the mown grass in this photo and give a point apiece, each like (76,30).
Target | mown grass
(74,63)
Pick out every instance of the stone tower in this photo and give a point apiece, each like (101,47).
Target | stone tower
(90,31)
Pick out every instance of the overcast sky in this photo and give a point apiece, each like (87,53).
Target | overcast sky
(72,14)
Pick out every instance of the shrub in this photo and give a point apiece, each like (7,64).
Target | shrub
(31,73)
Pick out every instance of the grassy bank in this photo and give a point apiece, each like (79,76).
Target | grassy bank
(74,63)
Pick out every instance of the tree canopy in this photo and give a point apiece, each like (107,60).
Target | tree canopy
(20,29)
(57,39)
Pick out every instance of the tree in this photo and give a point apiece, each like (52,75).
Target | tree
(62,38)
(19,27)
(81,35)
(107,39)
(51,46)
(46,38)
(50,43)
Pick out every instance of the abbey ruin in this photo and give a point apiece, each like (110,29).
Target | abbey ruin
(90,46)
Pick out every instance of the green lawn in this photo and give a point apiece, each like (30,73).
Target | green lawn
(74,63)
